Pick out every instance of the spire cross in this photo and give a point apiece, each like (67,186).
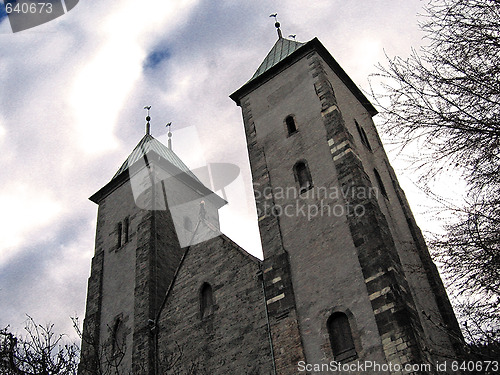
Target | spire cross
(169,135)
(277,24)
(148,126)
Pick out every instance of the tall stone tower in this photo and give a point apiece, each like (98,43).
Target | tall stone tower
(347,273)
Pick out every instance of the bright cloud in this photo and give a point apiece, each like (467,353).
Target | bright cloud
(29,211)
(103,84)
(99,91)
(2,131)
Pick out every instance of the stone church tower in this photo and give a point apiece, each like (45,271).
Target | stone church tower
(346,275)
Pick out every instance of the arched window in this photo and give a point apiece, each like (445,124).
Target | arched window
(206,300)
(118,337)
(290,125)
(341,339)
(362,135)
(380,183)
(302,176)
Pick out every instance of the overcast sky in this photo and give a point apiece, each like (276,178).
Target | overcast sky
(73,91)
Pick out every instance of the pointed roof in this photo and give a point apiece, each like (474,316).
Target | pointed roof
(147,147)
(286,52)
(149,143)
(281,50)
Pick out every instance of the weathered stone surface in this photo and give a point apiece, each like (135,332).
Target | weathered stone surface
(234,338)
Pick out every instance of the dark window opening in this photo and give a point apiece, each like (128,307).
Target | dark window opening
(126,230)
(380,183)
(119,235)
(363,136)
(302,176)
(290,125)
(118,338)
(206,301)
(341,339)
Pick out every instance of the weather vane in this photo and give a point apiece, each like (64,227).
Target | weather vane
(169,135)
(148,126)
(277,24)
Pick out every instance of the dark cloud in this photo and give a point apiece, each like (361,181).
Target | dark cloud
(3,13)
(35,279)
(156,57)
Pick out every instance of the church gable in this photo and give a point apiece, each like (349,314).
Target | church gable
(214,319)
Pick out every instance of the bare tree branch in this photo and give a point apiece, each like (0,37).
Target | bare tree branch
(445,100)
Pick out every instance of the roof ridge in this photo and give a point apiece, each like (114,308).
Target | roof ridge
(149,143)
(282,48)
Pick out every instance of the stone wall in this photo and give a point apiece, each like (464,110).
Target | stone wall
(233,338)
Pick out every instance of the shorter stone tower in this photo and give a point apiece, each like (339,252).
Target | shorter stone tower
(147,213)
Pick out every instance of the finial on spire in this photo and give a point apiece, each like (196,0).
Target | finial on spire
(148,125)
(169,135)
(277,24)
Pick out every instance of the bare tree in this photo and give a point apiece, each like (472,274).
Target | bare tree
(43,352)
(107,358)
(446,97)
(101,358)
(470,254)
(445,100)
(40,352)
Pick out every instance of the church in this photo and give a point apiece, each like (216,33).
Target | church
(351,288)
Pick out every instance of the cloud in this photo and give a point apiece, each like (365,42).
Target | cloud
(48,280)
(98,93)
(102,85)
(3,132)
(62,89)
(30,211)
(3,13)
(156,57)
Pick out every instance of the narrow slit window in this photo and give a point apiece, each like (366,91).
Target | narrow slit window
(380,183)
(290,125)
(206,301)
(341,339)
(363,136)
(302,176)
(119,235)
(126,230)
